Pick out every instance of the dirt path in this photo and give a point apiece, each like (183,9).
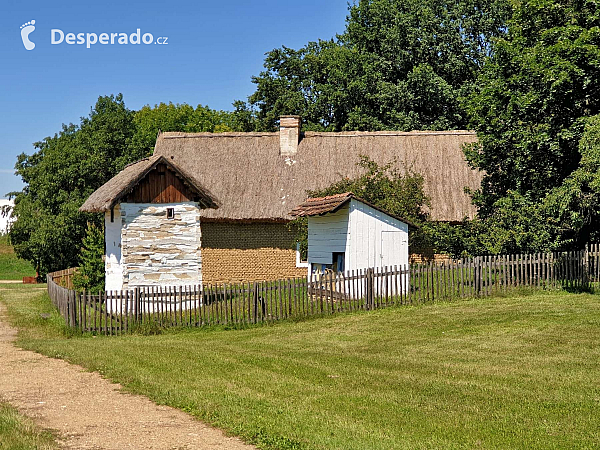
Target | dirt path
(88,411)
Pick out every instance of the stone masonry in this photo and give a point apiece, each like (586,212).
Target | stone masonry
(157,250)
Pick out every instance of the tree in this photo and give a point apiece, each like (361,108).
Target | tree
(399,65)
(399,193)
(60,176)
(540,83)
(148,121)
(574,206)
(90,276)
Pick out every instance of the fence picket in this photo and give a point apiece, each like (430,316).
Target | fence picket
(116,312)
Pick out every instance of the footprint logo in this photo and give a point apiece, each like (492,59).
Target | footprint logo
(26,30)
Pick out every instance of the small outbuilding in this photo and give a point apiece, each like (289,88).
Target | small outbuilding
(152,224)
(347,233)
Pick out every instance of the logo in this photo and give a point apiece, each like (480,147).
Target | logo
(26,30)
(58,36)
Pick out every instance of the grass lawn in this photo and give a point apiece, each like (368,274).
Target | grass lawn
(11,267)
(513,372)
(19,433)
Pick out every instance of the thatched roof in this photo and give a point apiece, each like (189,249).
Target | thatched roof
(111,192)
(253,182)
(319,206)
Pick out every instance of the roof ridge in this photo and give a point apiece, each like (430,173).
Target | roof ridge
(330,197)
(147,158)
(388,133)
(210,135)
(310,134)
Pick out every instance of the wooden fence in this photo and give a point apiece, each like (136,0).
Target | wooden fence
(64,277)
(117,312)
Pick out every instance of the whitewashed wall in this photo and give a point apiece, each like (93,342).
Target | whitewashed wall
(368,237)
(161,251)
(112,239)
(327,234)
(374,238)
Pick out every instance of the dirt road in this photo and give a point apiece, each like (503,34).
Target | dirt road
(88,412)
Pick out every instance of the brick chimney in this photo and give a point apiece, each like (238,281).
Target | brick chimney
(289,135)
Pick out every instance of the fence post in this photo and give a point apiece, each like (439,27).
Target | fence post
(370,289)
(73,306)
(136,305)
(477,275)
(586,256)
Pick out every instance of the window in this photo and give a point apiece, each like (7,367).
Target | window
(339,261)
(301,259)
(112,214)
(170,213)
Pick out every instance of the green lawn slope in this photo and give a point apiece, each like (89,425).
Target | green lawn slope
(11,267)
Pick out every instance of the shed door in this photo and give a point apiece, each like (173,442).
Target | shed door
(391,247)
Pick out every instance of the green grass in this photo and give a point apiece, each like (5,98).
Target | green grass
(17,432)
(511,372)
(11,267)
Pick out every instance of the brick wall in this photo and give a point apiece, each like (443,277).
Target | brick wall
(234,252)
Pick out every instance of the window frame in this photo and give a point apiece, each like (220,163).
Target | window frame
(299,262)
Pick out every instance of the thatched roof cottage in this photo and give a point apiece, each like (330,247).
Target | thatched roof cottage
(244,186)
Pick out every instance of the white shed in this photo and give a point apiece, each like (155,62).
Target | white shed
(347,233)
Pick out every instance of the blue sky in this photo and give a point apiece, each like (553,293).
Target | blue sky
(213,49)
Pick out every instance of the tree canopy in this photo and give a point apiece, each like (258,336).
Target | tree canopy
(67,167)
(401,65)
(532,103)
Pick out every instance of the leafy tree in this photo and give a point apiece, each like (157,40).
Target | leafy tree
(399,65)
(573,208)
(90,276)
(399,193)
(59,176)
(66,168)
(566,217)
(539,84)
(148,121)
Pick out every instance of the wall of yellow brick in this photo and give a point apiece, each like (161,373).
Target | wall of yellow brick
(425,257)
(233,252)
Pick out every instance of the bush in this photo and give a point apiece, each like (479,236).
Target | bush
(90,276)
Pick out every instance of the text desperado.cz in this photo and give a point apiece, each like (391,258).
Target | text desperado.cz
(58,37)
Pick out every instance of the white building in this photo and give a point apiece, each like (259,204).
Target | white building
(346,233)
(5,211)
(152,225)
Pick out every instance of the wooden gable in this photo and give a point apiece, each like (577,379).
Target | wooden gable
(161,185)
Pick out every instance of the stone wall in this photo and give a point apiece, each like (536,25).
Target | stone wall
(157,250)
(233,252)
